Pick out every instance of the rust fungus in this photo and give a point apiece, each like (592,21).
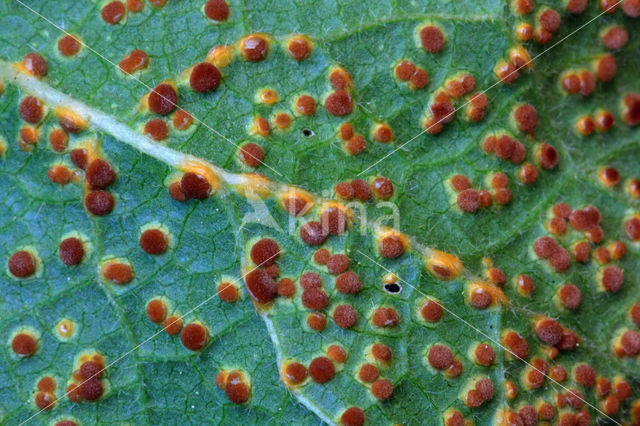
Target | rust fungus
(35,65)
(353,416)
(24,344)
(163,99)
(339,103)
(216,10)
(236,388)
(172,325)
(432,38)
(194,336)
(136,60)
(321,369)
(113,12)
(117,272)
(71,251)
(156,310)
(254,47)
(204,77)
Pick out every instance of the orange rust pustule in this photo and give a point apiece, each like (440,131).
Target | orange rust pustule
(385,317)
(228,292)
(299,48)
(294,373)
(382,389)
(117,272)
(316,321)
(321,369)
(172,325)
(136,60)
(99,202)
(68,45)
(432,39)
(306,105)
(156,129)
(35,65)
(154,241)
(254,47)
(156,310)
(204,77)
(261,286)
(31,109)
(216,10)
(100,174)
(24,344)
(163,99)
(22,264)
(265,252)
(444,266)
(70,120)
(194,336)
(71,251)
(339,103)
(348,283)
(236,389)
(113,12)
(353,416)
(345,316)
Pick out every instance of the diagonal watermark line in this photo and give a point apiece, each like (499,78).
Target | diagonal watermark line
(148,339)
(477,330)
(147,86)
(489,88)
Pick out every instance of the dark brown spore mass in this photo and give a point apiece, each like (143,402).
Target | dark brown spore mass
(261,286)
(30,109)
(313,233)
(432,39)
(71,251)
(100,174)
(321,369)
(194,186)
(163,99)
(153,241)
(265,252)
(339,103)
(194,336)
(205,77)
(99,202)
(218,10)
(22,264)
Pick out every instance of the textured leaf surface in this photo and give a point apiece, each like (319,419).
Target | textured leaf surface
(447,255)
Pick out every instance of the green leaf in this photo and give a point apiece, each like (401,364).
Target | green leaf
(421,244)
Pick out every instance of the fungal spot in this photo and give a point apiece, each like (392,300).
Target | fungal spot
(353,416)
(484,354)
(172,325)
(585,375)
(382,353)
(481,393)
(524,31)
(194,186)
(339,103)
(35,65)
(306,105)
(548,331)
(282,120)
(22,264)
(440,357)
(321,369)
(24,344)
(612,279)
(348,283)
(217,10)
(295,373)
(345,316)
(153,241)
(261,286)
(100,174)
(321,256)
(156,310)
(136,60)
(113,12)
(606,68)
(382,188)
(419,79)
(404,70)
(392,246)
(460,183)
(65,328)
(469,200)
(156,129)
(316,321)
(615,38)
(182,120)
(204,77)
(265,252)
(523,7)
(251,154)
(527,118)
(631,112)
(518,346)
(315,298)
(99,202)
(547,156)
(431,311)
(604,121)
(385,317)
(506,72)
(382,133)
(236,388)
(135,6)
(313,233)
(59,174)
(382,389)
(45,400)
(254,47)
(71,251)
(70,120)
(31,109)
(337,264)
(285,287)
(355,145)
(163,99)
(68,45)
(298,47)
(432,38)
(194,336)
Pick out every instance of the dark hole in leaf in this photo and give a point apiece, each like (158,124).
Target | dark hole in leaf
(393,288)
(307,133)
